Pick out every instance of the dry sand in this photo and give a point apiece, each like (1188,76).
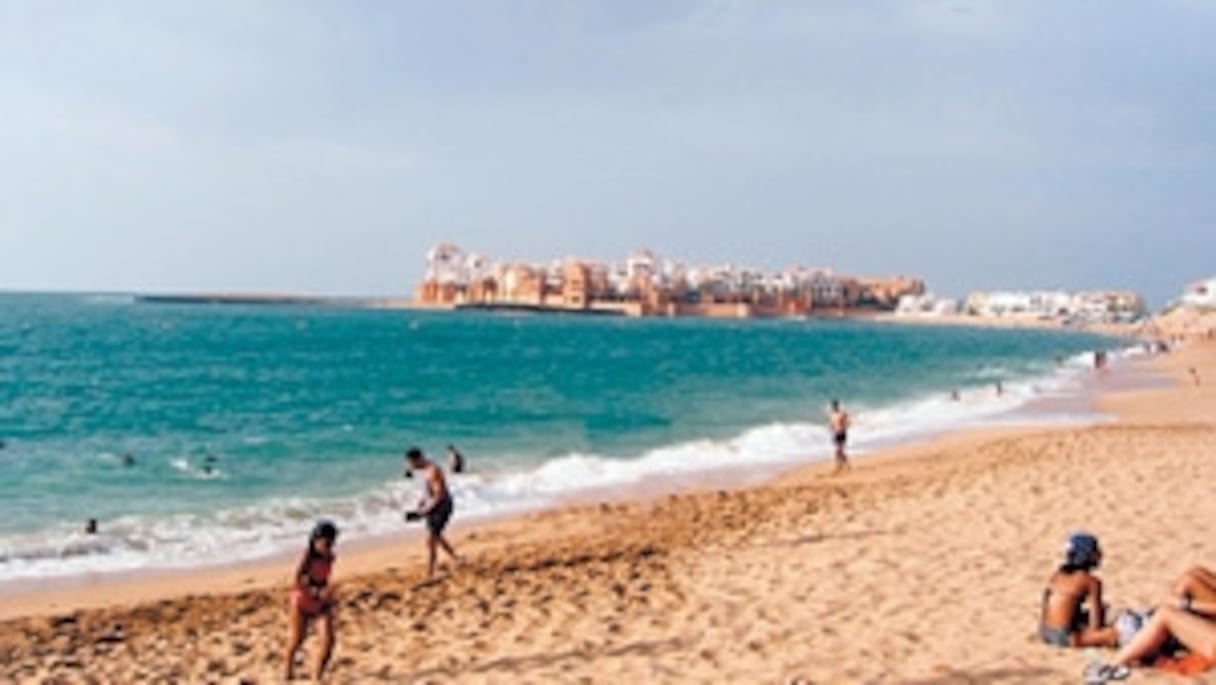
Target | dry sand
(922,566)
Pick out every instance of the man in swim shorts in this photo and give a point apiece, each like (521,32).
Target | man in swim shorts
(435,506)
(838,423)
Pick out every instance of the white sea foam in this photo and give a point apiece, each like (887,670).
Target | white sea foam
(228,535)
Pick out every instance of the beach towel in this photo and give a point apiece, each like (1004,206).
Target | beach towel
(1191,664)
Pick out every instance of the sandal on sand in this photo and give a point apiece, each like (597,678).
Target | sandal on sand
(1099,674)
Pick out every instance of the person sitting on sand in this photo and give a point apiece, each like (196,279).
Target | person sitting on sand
(435,506)
(311,597)
(1073,613)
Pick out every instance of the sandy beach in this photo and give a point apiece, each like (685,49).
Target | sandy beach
(922,565)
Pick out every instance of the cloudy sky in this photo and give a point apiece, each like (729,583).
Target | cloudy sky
(322,147)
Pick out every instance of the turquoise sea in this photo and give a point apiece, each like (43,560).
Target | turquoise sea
(306,412)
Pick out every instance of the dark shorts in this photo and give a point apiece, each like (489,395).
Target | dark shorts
(437,518)
(1058,637)
(840,438)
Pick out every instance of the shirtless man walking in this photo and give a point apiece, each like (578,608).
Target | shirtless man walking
(435,507)
(838,422)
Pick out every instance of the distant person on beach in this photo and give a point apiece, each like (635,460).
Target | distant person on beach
(838,423)
(90,527)
(1000,389)
(435,507)
(1073,614)
(954,396)
(456,461)
(1195,375)
(312,599)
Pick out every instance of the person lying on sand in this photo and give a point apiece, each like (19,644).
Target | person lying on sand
(1168,629)
(1073,613)
(1184,620)
(311,597)
(436,507)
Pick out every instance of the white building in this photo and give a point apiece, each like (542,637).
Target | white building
(1089,306)
(1201,294)
(926,305)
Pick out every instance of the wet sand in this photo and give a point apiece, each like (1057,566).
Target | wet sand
(921,565)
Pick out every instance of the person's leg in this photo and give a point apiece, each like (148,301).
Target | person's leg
(326,633)
(447,547)
(1100,637)
(1195,633)
(432,541)
(295,636)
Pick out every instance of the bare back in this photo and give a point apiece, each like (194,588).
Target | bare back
(1065,594)
(436,485)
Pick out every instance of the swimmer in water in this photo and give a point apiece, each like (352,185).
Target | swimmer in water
(456,460)
(128,460)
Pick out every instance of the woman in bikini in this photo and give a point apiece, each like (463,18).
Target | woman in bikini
(311,597)
(1073,614)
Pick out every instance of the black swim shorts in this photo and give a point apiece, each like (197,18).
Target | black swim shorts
(437,518)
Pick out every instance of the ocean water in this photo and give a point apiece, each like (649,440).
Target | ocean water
(306,412)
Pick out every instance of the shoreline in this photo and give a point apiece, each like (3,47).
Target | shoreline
(743,585)
(33,595)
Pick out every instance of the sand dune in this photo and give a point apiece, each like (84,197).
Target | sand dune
(922,567)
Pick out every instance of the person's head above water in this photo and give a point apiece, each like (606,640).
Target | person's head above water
(323,537)
(415,457)
(1082,551)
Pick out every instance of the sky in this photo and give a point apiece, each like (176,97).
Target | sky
(323,147)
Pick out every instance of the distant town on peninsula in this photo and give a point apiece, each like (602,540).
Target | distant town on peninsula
(646,284)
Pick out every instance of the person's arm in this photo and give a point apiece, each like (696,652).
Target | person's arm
(303,582)
(1097,611)
(1196,606)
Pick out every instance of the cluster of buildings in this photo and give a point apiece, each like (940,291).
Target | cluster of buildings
(1097,306)
(645,284)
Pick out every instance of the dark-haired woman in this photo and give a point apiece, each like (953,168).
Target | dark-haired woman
(311,597)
